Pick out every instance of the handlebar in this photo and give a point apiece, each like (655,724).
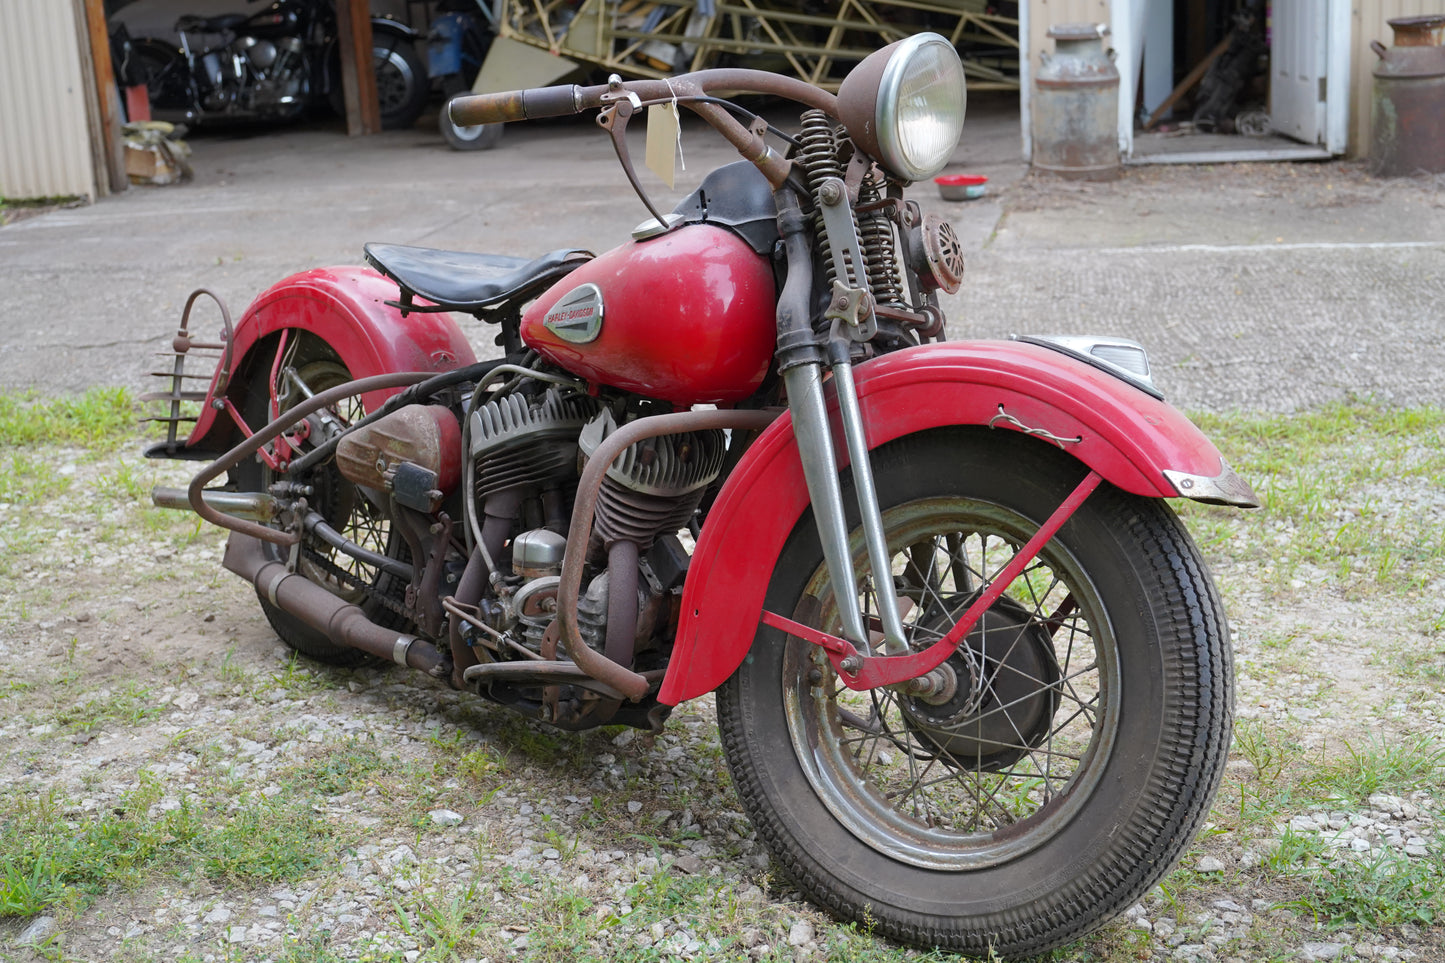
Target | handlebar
(689,89)
(510,105)
(537,102)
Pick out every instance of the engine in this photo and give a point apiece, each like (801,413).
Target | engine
(256,76)
(526,456)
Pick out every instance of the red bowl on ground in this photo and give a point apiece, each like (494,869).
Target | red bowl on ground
(961,187)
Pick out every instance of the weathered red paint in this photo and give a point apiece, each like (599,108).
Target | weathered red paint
(1128,437)
(344,306)
(688,317)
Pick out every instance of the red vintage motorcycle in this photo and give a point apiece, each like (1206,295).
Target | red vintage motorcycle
(1011,719)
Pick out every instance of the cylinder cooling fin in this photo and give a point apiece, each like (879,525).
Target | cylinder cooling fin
(518,441)
(653,487)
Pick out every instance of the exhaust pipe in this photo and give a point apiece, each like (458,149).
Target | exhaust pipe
(256,506)
(339,620)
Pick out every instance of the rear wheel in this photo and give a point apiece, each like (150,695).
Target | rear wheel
(402,86)
(310,366)
(166,77)
(1073,753)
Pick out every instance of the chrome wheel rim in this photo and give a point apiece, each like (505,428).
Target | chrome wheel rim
(890,779)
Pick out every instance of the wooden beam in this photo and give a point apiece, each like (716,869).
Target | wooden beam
(1187,83)
(358,76)
(106,140)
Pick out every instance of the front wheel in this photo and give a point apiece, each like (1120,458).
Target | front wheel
(401,80)
(1068,761)
(163,71)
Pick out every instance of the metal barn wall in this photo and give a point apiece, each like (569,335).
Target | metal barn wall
(1043,14)
(45,148)
(1371,23)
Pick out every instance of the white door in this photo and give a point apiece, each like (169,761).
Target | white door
(1299,52)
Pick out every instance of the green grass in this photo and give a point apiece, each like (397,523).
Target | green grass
(1381,892)
(54,856)
(100,418)
(1325,519)
(1380,765)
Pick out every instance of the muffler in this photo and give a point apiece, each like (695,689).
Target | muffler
(340,621)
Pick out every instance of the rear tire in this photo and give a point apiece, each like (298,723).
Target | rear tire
(346,509)
(166,76)
(1077,756)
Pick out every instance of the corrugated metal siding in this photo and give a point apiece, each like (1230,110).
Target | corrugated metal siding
(44,135)
(1371,23)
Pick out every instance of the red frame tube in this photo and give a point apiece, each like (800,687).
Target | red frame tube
(859,672)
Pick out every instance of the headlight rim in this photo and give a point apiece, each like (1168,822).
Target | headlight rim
(868,104)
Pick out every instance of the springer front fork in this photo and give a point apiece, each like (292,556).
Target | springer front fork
(850,312)
(801,359)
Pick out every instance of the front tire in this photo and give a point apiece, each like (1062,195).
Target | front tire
(1077,752)
(166,77)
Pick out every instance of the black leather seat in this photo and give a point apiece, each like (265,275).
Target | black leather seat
(464,281)
(225,23)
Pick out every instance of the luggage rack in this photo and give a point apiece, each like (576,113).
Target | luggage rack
(178,396)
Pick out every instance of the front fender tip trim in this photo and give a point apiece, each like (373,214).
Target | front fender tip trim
(1226,488)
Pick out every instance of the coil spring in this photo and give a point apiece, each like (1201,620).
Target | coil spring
(818,156)
(875,232)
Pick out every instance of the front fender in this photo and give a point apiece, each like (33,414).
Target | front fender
(1135,441)
(345,307)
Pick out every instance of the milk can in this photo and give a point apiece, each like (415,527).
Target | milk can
(1076,105)
(1408,113)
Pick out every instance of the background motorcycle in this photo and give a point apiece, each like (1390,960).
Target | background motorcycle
(271,66)
(972,677)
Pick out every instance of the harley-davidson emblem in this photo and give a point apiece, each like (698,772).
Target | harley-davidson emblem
(578,316)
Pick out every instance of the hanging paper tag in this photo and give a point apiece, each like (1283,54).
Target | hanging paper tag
(663,131)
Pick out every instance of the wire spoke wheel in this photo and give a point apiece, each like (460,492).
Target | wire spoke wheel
(345,508)
(1052,769)
(307,367)
(969,776)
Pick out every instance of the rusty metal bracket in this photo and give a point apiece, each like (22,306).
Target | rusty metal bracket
(1043,433)
(181,345)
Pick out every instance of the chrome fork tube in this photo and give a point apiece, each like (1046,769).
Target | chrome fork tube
(801,361)
(894,642)
(815,448)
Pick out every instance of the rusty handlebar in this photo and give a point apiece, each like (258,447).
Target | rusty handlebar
(692,90)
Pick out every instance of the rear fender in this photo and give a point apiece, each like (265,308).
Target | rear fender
(1136,442)
(345,307)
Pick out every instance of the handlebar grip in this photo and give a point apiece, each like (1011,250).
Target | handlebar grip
(512,105)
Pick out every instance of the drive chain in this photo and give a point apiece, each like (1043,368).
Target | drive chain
(343,577)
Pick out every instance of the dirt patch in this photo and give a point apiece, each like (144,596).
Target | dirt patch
(1305,185)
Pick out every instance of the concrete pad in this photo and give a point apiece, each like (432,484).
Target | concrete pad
(1254,286)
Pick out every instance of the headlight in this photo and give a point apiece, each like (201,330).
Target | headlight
(903,105)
